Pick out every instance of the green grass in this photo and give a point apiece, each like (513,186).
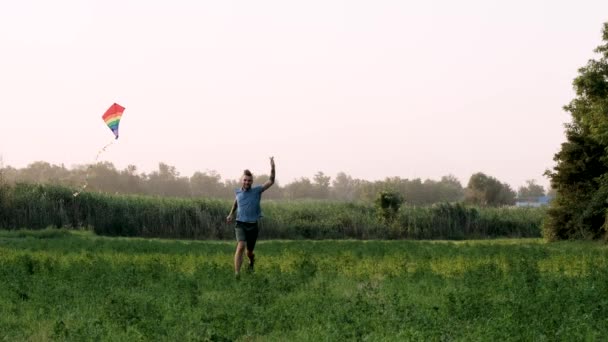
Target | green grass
(73,285)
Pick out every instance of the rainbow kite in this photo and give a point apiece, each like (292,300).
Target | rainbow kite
(112,117)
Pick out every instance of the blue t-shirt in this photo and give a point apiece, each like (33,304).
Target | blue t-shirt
(248,204)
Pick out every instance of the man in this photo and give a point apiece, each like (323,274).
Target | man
(248,212)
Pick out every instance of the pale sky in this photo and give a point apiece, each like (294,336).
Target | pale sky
(415,89)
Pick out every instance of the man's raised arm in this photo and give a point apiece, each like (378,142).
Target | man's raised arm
(270,181)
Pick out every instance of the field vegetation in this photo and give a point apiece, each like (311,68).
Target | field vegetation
(69,285)
(40,206)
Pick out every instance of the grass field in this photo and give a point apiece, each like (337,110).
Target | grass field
(73,285)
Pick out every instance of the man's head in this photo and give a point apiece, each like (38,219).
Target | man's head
(247,179)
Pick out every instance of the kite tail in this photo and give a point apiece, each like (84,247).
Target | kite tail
(86,178)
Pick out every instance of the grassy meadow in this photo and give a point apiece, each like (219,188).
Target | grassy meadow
(74,285)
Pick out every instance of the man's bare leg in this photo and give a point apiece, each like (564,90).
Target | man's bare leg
(238,257)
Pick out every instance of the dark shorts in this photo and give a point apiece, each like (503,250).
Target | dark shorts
(246,231)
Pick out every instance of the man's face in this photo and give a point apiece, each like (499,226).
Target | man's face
(247,181)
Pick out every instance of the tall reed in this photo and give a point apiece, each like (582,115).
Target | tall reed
(40,206)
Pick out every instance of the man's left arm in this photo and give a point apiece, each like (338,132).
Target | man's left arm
(270,181)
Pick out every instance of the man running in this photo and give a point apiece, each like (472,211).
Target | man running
(248,212)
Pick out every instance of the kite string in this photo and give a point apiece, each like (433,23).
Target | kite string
(86,178)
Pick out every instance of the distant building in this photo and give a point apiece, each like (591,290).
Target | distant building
(534,202)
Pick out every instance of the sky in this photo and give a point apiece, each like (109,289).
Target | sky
(375,89)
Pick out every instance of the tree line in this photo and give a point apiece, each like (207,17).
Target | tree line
(167,181)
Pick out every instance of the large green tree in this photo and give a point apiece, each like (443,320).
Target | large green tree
(580,176)
(488,191)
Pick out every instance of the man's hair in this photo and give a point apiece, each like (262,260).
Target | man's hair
(247,173)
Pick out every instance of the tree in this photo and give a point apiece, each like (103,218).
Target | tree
(2,171)
(167,182)
(580,176)
(321,185)
(300,188)
(129,181)
(342,187)
(450,189)
(488,191)
(43,172)
(8,174)
(206,184)
(531,192)
(4,193)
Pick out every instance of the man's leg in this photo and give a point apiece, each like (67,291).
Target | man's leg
(251,257)
(238,257)
(252,237)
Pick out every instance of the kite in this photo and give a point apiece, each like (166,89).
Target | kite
(112,118)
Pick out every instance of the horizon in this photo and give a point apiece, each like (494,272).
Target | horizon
(224,179)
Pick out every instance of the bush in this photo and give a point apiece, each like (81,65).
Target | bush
(388,204)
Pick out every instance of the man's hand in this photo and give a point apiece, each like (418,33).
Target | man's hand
(229,218)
